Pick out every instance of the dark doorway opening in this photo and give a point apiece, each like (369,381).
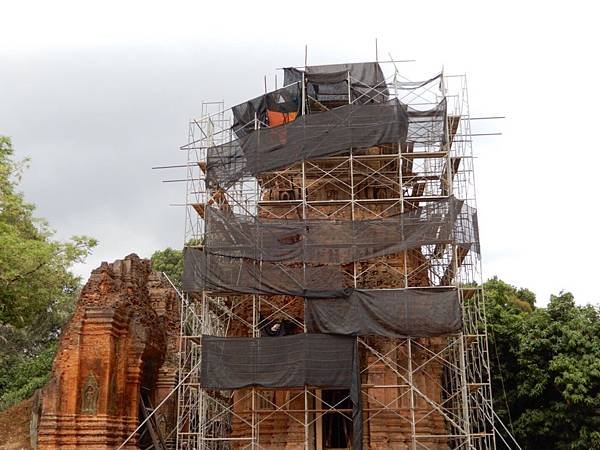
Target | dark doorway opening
(337,426)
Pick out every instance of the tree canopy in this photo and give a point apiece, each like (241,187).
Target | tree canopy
(545,367)
(169,261)
(37,288)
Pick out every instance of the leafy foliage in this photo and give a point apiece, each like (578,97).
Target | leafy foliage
(545,368)
(25,375)
(37,288)
(169,261)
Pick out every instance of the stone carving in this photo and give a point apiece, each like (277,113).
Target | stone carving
(162,424)
(89,395)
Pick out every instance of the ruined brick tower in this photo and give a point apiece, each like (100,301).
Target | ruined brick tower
(117,356)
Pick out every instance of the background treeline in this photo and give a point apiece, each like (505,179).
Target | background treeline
(37,288)
(545,362)
(545,366)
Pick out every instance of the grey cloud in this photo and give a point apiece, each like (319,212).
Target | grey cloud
(95,120)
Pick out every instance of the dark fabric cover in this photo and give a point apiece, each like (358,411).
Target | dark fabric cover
(203,271)
(330,82)
(386,312)
(331,241)
(427,127)
(285,100)
(305,257)
(467,228)
(315,360)
(292,361)
(310,136)
(412,85)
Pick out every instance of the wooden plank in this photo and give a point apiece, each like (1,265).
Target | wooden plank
(314,102)
(319,406)
(199,207)
(461,254)
(218,197)
(424,155)
(407,163)
(454,165)
(453,122)
(418,189)
(154,434)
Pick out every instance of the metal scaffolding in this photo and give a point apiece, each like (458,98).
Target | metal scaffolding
(417,393)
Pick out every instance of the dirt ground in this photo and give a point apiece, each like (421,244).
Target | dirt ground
(14,427)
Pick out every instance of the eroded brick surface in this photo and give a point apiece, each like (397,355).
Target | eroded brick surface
(121,340)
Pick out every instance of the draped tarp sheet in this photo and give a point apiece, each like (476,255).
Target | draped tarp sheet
(427,127)
(386,312)
(204,271)
(286,99)
(310,136)
(253,255)
(466,231)
(412,85)
(330,82)
(332,241)
(315,360)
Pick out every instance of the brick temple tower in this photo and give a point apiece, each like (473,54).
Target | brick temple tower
(338,210)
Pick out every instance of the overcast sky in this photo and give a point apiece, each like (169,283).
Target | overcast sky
(96,93)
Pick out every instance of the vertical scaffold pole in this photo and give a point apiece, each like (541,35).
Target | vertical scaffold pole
(466,419)
(413,425)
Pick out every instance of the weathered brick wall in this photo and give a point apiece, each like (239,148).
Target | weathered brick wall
(122,337)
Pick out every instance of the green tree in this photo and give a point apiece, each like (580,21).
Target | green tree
(37,288)
(559,388)
(505,313)
(169,261)
(547,361)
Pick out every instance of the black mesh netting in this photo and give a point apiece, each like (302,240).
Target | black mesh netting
(466,231)
(309,136)
(386,312)
(324,134)
(330,83)
(306,257)
(204,271)
(427,127)
(285,100)
(333,241)
(315,360)
(413,85)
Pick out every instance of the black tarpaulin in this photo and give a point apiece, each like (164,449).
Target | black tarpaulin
(286,99)
(330,82)
(311,136)
(203,271)
(253,255)
(313,360)
(427,127)
(466,232)
(386,312)
(332,241)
